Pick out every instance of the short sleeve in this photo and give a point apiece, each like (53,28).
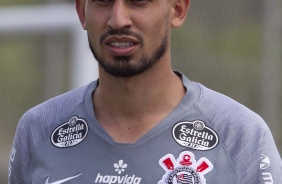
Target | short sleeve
(20,155)
(271,164)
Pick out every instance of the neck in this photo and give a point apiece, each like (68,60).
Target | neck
(124,105)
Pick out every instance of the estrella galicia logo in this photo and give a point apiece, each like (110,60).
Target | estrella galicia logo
(70,133)
(195,135)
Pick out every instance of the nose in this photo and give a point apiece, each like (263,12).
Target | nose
(120,16)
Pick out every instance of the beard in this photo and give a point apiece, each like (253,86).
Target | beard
(124,65)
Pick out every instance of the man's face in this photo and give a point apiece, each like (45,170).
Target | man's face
(127,37)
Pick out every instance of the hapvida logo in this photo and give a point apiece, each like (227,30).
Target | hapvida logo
(119,179)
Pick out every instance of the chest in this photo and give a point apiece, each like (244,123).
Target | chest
(159,159)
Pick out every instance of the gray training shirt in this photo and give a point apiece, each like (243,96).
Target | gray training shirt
(207,139)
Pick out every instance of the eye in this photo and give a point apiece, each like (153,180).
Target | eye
(140,2)
(103,2)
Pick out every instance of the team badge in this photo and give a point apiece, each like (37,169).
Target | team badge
(195,135)
(70,133)
(184,170)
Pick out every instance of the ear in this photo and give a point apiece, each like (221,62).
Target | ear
(180,9)
(80,9)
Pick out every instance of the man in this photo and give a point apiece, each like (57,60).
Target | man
(140,122)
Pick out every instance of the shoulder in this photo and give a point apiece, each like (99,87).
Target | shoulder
(229,118)
(220,108)
(60,105)
(38,122)
(67,100)
(241,131)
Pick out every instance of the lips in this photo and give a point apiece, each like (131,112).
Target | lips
(121,46)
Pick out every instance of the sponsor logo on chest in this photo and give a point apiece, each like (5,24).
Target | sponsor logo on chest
(120,178)
(70,134)
(195,135)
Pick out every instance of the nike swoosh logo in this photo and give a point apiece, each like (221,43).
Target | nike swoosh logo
(62,181)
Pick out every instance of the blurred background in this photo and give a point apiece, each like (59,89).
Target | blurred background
(234,47)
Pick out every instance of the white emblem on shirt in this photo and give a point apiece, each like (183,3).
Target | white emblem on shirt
(185,169)
(63,180)
(264,165)
(119,167)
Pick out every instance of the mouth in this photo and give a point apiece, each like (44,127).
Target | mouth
(121,46)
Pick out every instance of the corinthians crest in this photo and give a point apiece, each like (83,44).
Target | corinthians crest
(184,170)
